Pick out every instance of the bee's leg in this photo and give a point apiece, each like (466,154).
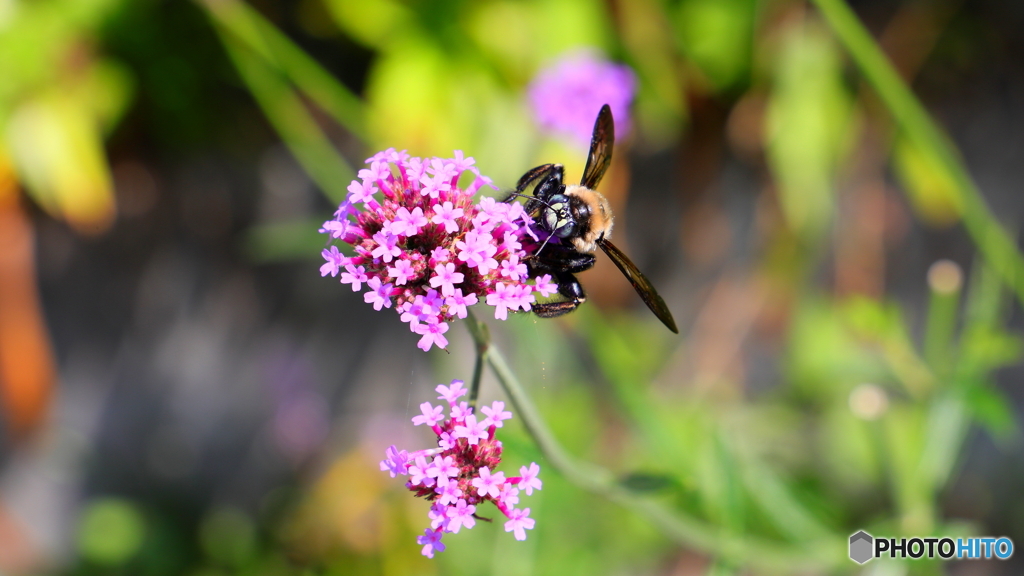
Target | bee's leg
(569,287)
(531,175)
(550,176)
(552,309)
(551,184)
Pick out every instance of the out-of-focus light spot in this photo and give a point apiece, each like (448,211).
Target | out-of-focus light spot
(110,531)
(945,277)
(301,424)
(136,188)
(170,454)
(868,401)
(567,95)
(228,536)
(7,11)
(288,190)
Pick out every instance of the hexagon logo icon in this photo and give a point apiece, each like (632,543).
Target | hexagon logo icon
(861,544)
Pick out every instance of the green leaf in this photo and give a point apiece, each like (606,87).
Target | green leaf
(717,35)
(993,410)
(809,127)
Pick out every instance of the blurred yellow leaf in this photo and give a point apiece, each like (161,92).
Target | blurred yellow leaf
(343,510)
(58,153)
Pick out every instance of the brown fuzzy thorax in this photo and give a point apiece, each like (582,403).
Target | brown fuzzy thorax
(595,220)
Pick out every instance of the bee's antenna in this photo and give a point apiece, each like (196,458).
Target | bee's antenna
(513,193)
(545,243)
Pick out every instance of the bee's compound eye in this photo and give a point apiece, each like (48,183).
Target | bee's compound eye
(565,229)
(557,218)
(551,218)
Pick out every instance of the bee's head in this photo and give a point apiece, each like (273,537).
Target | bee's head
(558,216)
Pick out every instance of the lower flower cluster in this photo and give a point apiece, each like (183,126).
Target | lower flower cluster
(459,475)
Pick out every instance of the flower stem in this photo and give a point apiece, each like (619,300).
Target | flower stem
(822,555)
(482,339)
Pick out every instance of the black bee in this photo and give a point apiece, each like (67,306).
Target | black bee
(581,219)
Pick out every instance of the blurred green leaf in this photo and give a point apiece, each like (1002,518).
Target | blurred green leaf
(848,447)
(989,235)
(228,536)
(984,349)
(660,107)
(993,410)
(809,126)
(717,35)
(107,89)
(945,430)
(777,498)
(986,300)
(293,122)
(824,359)
(913,491)
(563,25)
(250,28)
(372,23)
(931,189)
(882,325)
(110,531)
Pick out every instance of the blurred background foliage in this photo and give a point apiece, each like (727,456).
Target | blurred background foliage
(182,394)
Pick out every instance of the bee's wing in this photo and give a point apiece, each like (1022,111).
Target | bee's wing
(601,142)
(641,284)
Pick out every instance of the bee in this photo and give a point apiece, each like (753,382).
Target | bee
(581,220)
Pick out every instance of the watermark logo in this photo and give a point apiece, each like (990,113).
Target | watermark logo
(861,549)
(864,547)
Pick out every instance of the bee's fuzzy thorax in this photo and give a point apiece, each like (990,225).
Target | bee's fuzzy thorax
(598,226)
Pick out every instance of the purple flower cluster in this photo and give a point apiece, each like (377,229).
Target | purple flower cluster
(422,244)
(458,476)
(567,95)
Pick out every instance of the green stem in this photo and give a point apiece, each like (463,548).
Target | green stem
(992,239)
(482,339)
(820,555)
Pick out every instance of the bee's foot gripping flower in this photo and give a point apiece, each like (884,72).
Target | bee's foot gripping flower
(423,246)
(458,476)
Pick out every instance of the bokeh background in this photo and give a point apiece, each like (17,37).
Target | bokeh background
(182,393)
